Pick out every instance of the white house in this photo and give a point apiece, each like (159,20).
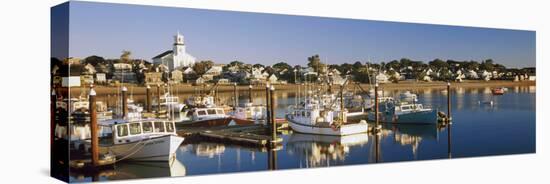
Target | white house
(382,78)
(272,79)
(177,57)
(100,78)
(189,71)
(215,70)
(486,75)
(176,76)
(471,74)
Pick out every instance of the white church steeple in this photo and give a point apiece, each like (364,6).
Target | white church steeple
(179,46)
(177,57)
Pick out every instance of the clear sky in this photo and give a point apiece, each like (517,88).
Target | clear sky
(223,36)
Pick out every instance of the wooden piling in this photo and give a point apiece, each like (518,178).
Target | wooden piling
(342,103)
(158,98)
(107,103)
(449,151)
(376,105)
(249,93)
(449,117)
(93,127)
(124,103)
(53,109)
(268,119)
(148,100)
(235,102)
(272,115)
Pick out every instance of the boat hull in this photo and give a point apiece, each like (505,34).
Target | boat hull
(346,129)
(206,123)
(421,117)
(162,148)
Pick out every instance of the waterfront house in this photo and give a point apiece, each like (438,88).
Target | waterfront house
(176,76)
(471,74)
(153,78)
(216,70)
(86,80)
(382,77)
(123,73)
(200,80)
(272,79)
(486,75)
(89,69)
(223,81)
(100,78)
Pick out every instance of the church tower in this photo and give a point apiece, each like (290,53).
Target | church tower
(179,46)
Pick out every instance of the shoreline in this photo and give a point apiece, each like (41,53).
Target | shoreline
(188,88)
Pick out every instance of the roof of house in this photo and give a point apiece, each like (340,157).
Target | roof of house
(163,54)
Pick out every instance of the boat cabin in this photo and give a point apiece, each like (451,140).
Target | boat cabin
(208,113)
(251,112)
(138,130)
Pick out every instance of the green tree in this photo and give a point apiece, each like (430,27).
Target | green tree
(438,64)
(316,64)
(94,60)
(125,57)
(201,67)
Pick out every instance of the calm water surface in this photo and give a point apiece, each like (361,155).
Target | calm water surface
(478,129)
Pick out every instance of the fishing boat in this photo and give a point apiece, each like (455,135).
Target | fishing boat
(170,103)
(312,117)
(497,91)
(392,111)
(205,113)
(249,114)
(407,96)
(141,140)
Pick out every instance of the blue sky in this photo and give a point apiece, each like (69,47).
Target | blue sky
(223,36)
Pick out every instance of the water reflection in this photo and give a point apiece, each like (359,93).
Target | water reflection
(478,129)
(131,170)
(320,150)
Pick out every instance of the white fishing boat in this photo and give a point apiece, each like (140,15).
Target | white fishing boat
(142,140)
(206,116)
(312,117)
(404,112)
(171,103)
(250,113)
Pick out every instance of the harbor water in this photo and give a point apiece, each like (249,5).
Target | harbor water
(479,128)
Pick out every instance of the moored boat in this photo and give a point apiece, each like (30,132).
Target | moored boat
(403,112)
(143,140)
(497,91)
(314,118)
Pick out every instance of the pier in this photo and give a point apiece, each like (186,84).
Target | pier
(246,135)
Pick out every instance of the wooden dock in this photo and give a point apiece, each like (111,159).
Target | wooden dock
(248,135)
(86,164)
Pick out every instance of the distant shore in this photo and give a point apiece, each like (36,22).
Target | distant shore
(188,88)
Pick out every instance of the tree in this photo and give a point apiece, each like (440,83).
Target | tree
(201,67)
(487,65)
(281,66)
(94,60)
(438,64)
(258,65)
(239,65)
(315,63)
(125,57)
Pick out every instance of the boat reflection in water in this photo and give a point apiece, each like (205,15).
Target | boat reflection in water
(320,150)
(413,135)
(208,149)
(132,170)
